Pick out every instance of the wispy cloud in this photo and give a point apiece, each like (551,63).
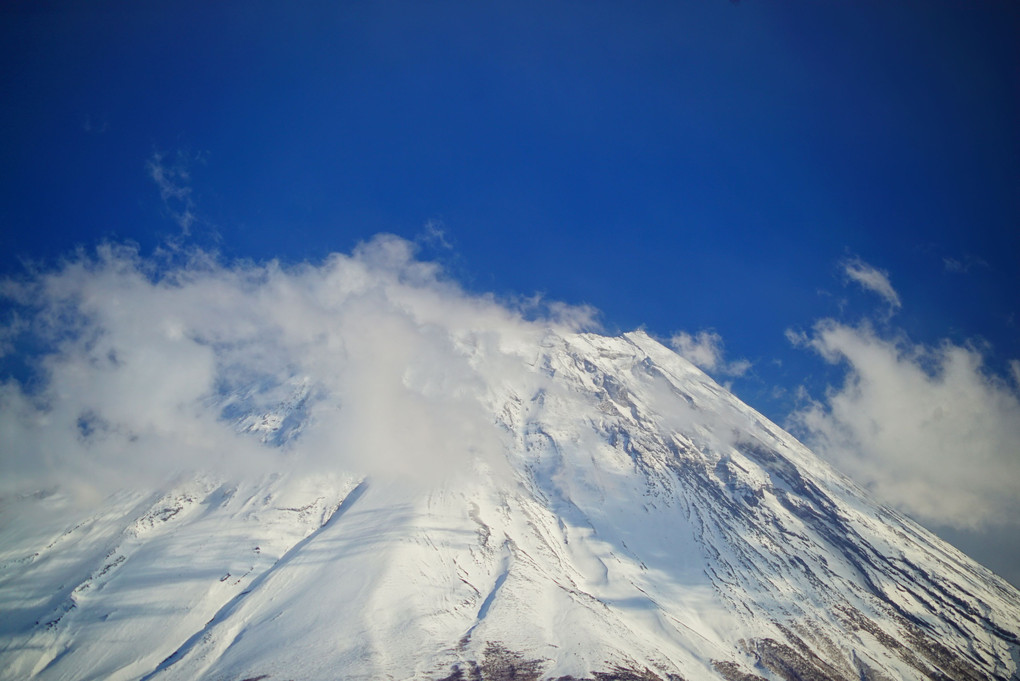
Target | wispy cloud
(928,429)
(173,179)
(96,126)
(434,234)
(706,350)
(963,265)
(141,363)
(872,279)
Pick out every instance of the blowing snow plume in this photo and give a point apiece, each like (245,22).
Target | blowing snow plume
(138,370)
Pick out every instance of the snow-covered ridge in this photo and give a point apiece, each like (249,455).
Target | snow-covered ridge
(642,523)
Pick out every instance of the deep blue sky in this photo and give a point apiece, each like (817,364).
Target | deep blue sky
(678,165)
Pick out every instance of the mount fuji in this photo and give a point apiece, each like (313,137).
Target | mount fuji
(638,522)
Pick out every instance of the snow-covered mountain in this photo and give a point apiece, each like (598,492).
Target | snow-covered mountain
(638,522)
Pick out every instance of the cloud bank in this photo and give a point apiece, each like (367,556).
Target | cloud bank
(143,368)
(928,429)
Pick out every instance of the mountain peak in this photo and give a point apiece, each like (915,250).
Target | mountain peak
(617,515)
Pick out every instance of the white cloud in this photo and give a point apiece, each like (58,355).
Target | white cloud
(872,279)
(706,350)
(138,361)
(926,428)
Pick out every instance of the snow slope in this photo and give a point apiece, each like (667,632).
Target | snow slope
(640,522)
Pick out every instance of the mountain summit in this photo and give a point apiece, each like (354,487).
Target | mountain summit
(601,509)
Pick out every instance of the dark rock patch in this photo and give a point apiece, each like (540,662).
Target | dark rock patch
(501,664)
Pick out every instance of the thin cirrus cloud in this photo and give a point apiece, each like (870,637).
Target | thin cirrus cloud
(139,364)
(927,428)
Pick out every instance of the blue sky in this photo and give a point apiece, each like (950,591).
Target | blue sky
(711,168)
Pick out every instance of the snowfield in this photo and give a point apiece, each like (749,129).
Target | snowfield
(637,522)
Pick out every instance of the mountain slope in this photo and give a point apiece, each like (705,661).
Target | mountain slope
(638,522)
